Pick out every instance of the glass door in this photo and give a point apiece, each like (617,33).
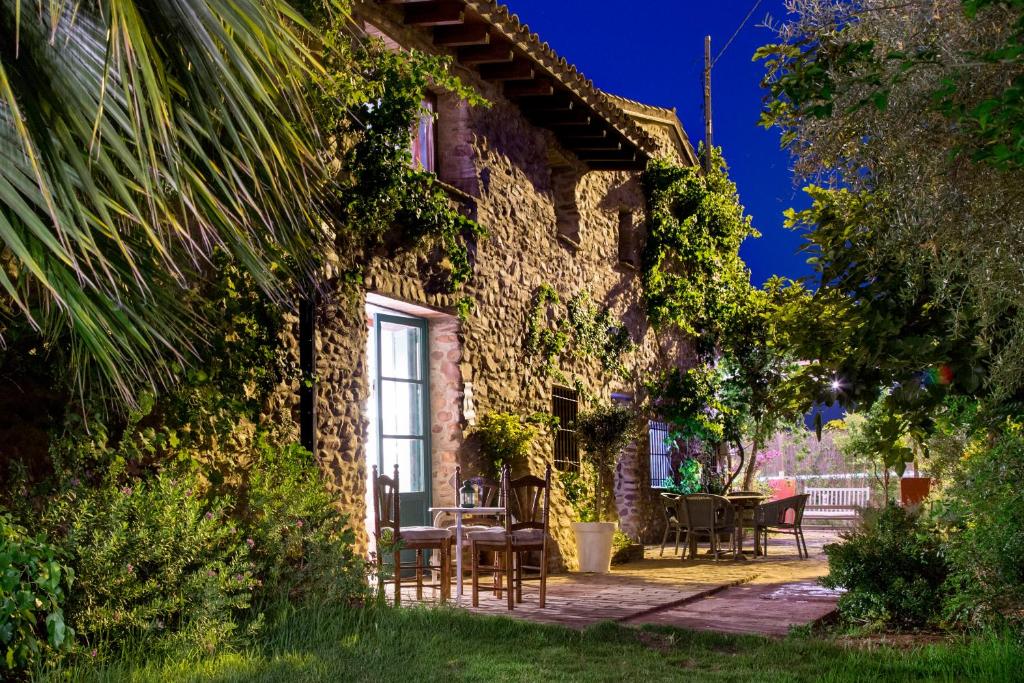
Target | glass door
(400,393)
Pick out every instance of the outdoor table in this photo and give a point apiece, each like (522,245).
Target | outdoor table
(741,502)
(458,511)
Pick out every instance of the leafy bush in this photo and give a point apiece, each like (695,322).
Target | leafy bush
(154,556)
(686,480)
(301,544)
(986,545)
(603,432)
(34,585)
(892,569)
(577,493)
(505,438)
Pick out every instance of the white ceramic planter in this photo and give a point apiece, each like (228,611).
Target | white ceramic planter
(594,545)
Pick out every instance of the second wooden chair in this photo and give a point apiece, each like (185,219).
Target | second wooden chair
(527,505)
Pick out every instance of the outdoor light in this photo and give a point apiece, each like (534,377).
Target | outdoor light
(467,495)
(836,385)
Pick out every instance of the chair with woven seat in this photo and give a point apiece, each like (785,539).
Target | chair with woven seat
(712,516)
(771,516)
(527,504)
(675,519)
(392,537)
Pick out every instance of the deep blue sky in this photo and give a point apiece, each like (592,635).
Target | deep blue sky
(653,51)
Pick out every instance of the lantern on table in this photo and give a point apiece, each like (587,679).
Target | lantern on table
(467,495)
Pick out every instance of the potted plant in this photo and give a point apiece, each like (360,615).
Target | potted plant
(603,433)
(506,439)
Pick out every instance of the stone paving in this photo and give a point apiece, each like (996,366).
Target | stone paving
(766,595)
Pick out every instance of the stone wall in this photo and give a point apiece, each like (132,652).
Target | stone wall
(506,165)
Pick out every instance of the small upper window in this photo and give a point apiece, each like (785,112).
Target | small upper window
(424,141)
(627,239)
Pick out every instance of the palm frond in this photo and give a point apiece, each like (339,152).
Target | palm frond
(136,136)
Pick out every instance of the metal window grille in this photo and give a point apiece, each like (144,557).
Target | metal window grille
(661,458)
(565,406)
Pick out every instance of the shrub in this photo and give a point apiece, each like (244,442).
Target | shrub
(155,557)
(505,438)
(986,545)
(604,432)
(892,569)
(301,544)
(34,585)
(687,479)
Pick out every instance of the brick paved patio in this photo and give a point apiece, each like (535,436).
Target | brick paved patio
(738,596)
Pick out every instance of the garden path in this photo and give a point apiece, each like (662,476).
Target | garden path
(765,596)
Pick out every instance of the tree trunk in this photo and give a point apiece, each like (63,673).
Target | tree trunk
(751,470)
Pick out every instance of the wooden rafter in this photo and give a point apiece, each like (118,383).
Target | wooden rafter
(475,55)
(519,70)
(434,13)
(562,118)
(462,35)
(536,88)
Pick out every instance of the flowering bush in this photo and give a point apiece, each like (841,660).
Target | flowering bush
(154,556)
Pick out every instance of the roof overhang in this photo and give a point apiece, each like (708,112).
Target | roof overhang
(484,36)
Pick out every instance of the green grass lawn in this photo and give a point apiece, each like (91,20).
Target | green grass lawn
(445,645)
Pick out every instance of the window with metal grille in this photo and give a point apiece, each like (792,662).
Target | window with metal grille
(661,457)
(564,406)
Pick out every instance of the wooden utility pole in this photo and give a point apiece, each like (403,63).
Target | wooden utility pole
(707,104)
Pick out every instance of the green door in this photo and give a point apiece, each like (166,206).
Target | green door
(401,393)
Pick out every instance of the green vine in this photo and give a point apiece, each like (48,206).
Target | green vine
(382,202)
(693,277)
(585,330)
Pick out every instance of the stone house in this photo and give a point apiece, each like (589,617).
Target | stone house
(552,170)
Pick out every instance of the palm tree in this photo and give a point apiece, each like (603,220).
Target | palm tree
(136,137)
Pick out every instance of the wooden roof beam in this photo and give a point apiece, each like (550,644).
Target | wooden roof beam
(536,88)
(558,119)
(476,55)
(556,102)
(610,147)
(517,70)
(435,13)
(585,137)
(461,36)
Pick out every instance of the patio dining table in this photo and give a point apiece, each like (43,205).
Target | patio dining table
(742,502)
(458,512)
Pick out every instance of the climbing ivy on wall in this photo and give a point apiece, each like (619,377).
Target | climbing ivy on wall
(693,277)
(579,329)
(382,202)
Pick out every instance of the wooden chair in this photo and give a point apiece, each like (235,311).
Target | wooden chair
(771,516)
(710,515)
(675,515)
(393,537)
(525,531)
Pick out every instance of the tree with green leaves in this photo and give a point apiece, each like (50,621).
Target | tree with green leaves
(908,120)
(747,383)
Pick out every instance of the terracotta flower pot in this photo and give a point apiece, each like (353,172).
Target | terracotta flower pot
(913,490)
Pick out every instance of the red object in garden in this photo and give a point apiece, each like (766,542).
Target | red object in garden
(913,490)
(784,488)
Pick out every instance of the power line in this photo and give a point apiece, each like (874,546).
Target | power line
(736,32)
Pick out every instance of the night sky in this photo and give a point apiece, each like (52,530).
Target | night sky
(653,51)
